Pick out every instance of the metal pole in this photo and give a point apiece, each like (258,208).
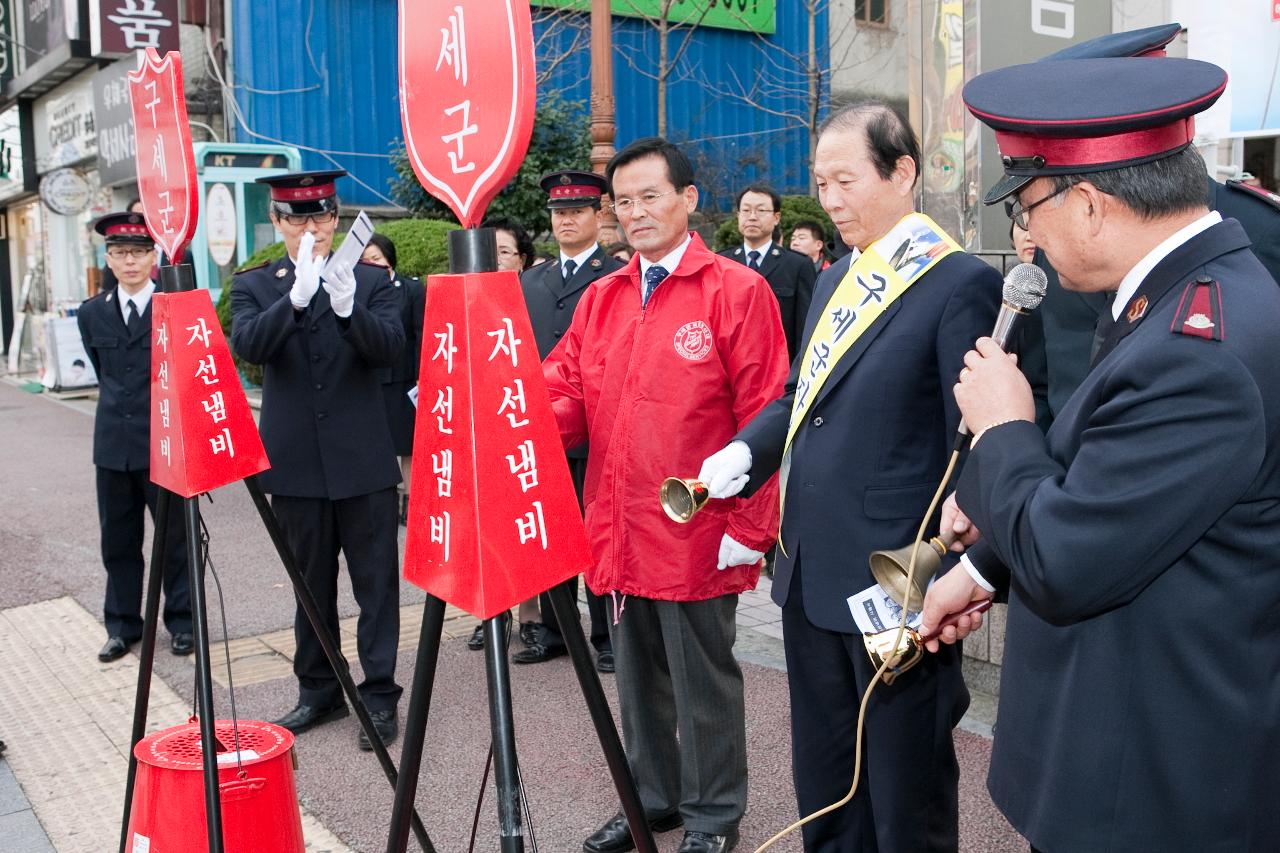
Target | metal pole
(505,775)
(204,680)
(415,723)
(566,611)
(332,651)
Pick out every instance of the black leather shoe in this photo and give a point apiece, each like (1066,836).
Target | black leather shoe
(615,835)
(530,633)
(701,842)
(476,641)
(304,717)
(116,648)
(385,723)
(182,643)
(604,662)
(538,653)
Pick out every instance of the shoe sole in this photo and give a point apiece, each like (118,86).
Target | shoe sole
(663,824)
(335,714)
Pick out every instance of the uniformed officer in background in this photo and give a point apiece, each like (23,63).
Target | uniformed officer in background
(116,328)
(1137,540)
(322,340)
(551,292)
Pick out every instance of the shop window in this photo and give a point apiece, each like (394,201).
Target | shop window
(873,13)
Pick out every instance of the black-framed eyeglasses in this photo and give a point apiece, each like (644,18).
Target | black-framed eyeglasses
(756,211)
(297,220)
(135,252)
(1018,214)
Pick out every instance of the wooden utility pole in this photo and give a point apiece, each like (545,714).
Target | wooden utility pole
(603,126)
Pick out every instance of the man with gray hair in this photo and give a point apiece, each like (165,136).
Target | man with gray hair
(862,434)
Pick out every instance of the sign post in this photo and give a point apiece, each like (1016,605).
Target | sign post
(493,519)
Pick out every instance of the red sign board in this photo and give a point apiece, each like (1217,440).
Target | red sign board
(166,163)
(493,519)
(202,433)
(119,27)
(466,97)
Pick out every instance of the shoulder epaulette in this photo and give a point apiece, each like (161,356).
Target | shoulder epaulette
(1256,192)
(251,269)
(1199,311)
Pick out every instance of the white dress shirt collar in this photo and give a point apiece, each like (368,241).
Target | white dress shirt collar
(579,260)
(1134,278)
(763,250)
(668,262)
(141,299)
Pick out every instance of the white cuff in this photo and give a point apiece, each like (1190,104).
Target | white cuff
(973,573)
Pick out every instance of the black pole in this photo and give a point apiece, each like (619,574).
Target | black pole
(204,680)
(502,726)
(146,654)
(473,250)
(415,723)
(332,651)
(566,611)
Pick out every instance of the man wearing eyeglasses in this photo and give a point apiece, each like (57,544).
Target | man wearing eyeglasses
(790,274)
(116,328)
(322,337)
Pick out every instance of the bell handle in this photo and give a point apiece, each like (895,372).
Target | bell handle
(977,607)
(943,541)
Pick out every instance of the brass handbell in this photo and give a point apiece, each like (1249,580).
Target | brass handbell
(681,499)
(890,569)
(909,651)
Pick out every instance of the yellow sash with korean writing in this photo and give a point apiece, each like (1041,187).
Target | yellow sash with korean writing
(874,281)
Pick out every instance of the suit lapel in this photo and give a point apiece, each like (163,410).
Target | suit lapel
(283,283)
(144,324)
(770,261)
(551,276)
(114,313)
(584,274)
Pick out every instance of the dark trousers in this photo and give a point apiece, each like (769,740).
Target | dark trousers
(124,497)
(551,634)
(677,676)
(364,529)
(907,799)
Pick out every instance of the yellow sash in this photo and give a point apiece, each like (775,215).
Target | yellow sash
(874,281)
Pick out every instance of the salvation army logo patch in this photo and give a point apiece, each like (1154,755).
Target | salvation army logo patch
(693,340)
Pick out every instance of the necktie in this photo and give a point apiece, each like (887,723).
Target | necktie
(570,267)
(652,278)
(133,320)
(753,259)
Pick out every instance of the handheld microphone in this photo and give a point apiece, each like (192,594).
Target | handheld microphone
(1024,288)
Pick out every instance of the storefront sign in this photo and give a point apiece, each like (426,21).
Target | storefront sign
(64,125)
(7,40)
(46,24)
(65,191)
(113,116)
(119,27)
(11,183)
(220,224)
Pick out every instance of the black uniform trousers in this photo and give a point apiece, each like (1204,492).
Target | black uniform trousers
(364,528)
(124,497)
(909,768)
(552,637)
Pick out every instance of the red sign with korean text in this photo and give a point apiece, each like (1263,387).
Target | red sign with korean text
(202,433)
(467,93)
(493,519)
(166,163)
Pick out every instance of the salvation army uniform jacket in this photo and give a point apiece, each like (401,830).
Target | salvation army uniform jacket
(323,420)
(122,423)
(791,277)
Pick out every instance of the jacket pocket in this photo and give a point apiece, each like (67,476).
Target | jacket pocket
(887,502)
(104,342)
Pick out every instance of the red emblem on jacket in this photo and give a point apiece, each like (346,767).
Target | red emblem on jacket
(693,340)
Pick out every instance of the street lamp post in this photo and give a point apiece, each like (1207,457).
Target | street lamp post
(603,128)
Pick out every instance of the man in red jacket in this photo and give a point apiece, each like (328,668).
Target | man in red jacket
(664,361)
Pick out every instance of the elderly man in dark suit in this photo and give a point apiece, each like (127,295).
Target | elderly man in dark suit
(789,273)
(551,293)
(862,435)
(116,328)
(322,339)
(1137,540)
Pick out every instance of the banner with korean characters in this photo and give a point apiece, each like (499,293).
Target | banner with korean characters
(162,150)
(467,92)
(203,435)
(493,519)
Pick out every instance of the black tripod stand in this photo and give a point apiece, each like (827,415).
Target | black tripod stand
(470,251)
(174,279)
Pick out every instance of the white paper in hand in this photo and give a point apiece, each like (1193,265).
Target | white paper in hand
(874,610)
(352,247)
(412,394)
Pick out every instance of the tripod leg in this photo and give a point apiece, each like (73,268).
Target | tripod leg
(332,651)
(502,725)
(204,679)
(147,651)
(601,717)
(415,724)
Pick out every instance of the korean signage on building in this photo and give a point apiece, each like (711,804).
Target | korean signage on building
(113,119)
(120,27)
(46,24)
(8,37)
(65,128)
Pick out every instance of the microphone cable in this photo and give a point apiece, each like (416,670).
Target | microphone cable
(875,679)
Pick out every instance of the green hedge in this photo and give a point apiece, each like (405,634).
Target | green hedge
(794,208)
(421,250)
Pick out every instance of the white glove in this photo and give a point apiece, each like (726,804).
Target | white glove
(306,274)
(725,471)
(734,553)
(340,282)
